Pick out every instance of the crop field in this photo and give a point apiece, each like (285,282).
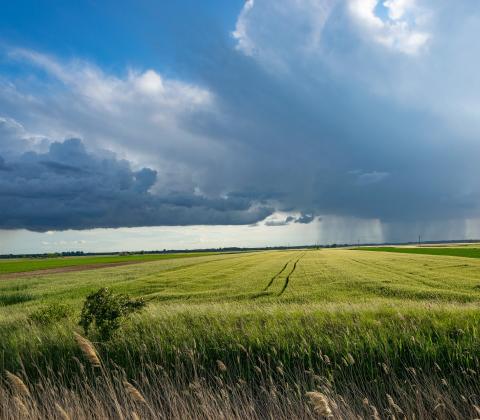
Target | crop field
(457,251)
(278,334)
(22,265)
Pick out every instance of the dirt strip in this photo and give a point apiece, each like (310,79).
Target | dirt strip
(69,269)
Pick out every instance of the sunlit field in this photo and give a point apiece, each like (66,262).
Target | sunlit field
(251,335)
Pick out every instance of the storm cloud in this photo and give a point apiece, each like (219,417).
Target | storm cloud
(357,111)
(70,188)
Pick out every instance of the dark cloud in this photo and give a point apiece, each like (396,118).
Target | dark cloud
(354,128)
(303,219)
(70,188)
(3,166)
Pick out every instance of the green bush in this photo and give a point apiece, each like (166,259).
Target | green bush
(51,313)
(106,311)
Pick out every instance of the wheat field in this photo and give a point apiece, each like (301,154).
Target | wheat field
(281,334)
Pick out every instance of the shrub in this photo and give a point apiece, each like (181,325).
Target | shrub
(106,311)
(51,313)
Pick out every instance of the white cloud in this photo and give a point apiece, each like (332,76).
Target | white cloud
(398,8)
(363,10)
(142,116)
(110,92)
(270,30)
(399,30)
(244,43)
(149,82)
(14,138)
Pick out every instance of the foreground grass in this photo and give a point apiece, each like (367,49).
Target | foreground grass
(229,361)
(221,339)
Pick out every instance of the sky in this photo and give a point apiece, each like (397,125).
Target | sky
(146,124)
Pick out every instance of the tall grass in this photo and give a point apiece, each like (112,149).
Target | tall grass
(192,392)
(236,362)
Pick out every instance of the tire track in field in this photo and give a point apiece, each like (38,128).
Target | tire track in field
(277,275)
(287,279)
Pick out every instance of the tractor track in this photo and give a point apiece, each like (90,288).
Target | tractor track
(287,279)
(277,275)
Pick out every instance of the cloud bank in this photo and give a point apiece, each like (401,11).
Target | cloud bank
(358,111)
(70,188)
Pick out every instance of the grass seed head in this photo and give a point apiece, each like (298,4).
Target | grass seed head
(88,350)
(17,384)
(21,407)
(375,415)
(61,412)
(134,392)
(320,403)
(221,366)
(391,403)
(385,368)
(412,370)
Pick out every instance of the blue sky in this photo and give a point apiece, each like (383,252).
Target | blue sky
(174,125)
(114,34)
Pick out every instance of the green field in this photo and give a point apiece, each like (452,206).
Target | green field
(350,323)
(21,265)
(324,276)
(457,251)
